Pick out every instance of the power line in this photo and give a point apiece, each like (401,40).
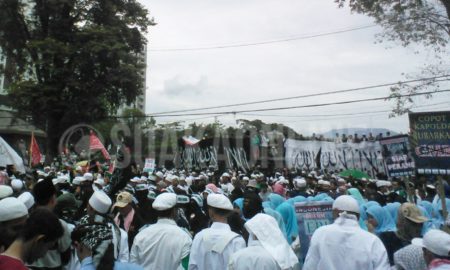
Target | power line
(302,96)
(296,107)
(339,114)
(265,42)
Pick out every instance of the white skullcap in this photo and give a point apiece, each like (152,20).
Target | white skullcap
(225,175)
(300,182)
(165,201)
(100,202)
(16,184)
(61,179)
(436,241)
(341,180)
(282,181)
(245,178)
(77,180)
(219,201)
(325,183)
(100,181)
(12,208)
(88,176)
(189,180)
(5,191)
(135,179)
(346,203)
(27,198)
(78,168)
(383,183)
(160,174)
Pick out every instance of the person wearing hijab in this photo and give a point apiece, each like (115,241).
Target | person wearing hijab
(429,224)
(431,213)
(275,200)
(354,192)
(287,212)
(267,250)
(409,225)
(440,220)
(343,244)
(392,208)
(384,228)
(239,205)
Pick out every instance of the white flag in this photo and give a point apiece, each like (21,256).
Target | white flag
(10,157)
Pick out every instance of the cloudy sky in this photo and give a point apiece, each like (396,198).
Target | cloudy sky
(189,79)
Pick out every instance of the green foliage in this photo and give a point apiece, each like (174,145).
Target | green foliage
(72,61)
(422,22)
(408,21)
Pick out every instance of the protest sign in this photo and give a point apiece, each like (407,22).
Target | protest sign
(397,156)
(310,217)
(149,165)
(430,141)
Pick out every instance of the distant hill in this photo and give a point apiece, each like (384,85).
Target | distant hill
(360,131)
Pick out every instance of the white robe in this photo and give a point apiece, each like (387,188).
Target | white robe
(203,258)
(344,245)
(161,246)
(253,257)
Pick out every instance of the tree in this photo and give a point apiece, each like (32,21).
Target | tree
(72,61)
(423,22)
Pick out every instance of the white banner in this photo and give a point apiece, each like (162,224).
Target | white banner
(364,156)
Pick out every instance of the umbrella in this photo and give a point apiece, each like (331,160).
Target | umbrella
(355,174)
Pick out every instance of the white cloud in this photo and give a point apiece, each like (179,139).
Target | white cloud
(190,79)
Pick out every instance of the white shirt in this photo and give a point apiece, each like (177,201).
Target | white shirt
(203,258)
(124,251)
(254,257)
(344,245)
(161,246)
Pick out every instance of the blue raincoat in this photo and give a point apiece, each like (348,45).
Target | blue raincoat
(383,218)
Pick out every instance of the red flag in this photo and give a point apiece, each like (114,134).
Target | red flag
(112,166)
(35,153)
(96,144)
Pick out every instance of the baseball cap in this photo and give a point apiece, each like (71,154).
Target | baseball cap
(412,212)
(123,199)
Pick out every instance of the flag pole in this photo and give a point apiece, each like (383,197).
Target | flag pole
(31,150)
(89,151)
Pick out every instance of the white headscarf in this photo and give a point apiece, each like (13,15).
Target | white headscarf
(266,229)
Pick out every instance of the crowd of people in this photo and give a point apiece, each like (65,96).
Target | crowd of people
(81,218)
